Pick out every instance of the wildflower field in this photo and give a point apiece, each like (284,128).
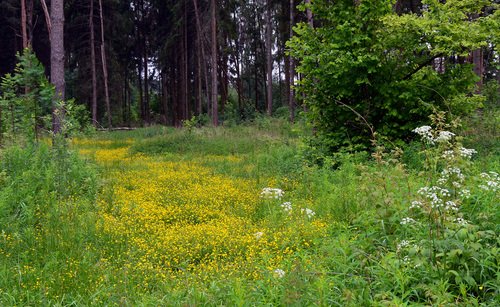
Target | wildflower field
(237,216)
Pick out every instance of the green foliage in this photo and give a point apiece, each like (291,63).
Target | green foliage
(26,103)
(26,99)
(366,68)
(47,221)
(371,252)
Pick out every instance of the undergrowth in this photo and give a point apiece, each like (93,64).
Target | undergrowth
(235,216)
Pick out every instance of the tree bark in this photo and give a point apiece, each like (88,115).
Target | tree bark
(477,59)
(23,24)
(57,61)
(269,59)
(309,14)
(47,17)
(215,115)
(92,64)
(291,93)
(201,46)
(104,67)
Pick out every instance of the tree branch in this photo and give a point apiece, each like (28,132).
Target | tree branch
(429,61)
(47,16)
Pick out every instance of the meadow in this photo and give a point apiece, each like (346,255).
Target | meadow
(240,216)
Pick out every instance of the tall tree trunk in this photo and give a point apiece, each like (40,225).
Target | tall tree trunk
(104,68)
(146,86)
(185,89)
(57,61)
(24,30)
(47,18)
(199,107)
(164,96)
(309,14)
(269,59)
(215,115)
(140,87)
(92,64)
(478,61)
(201,46)
(291,93)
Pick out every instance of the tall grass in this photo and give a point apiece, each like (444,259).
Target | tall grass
(61,243)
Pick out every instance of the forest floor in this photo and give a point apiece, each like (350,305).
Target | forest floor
(237,216)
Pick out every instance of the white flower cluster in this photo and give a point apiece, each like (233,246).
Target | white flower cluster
(463,152)
(444,136)
(403,244)
(258,235)
(464,193)
(272,193)
(460,221)
(416,204)
(308,212)
(450,206)
(492,181)
(287,206)
(427,136)
(425,133)
(434,195)
(467,153)
(279,273)
(448,155)
(407,220)
(452,173)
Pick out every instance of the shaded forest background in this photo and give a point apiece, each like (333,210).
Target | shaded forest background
(167,62)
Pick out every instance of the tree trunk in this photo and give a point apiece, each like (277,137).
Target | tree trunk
(92,64)
(104,68)
(201,46)
(269,59)
(477,59)
(24,30)
(215,115)
(291,96)
(141,94)
(47,17)
(57,61)
(309,14)
(146,118)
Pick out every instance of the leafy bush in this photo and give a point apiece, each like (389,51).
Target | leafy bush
(367,69)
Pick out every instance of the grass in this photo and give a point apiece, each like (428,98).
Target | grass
(163,216)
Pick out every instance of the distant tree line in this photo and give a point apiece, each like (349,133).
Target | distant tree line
(141,62)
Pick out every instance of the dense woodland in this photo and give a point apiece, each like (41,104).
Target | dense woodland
(292,153)
(143,62)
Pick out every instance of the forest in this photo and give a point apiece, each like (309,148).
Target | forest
(249,153)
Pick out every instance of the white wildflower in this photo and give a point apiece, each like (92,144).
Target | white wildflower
(258,235)
(426,133)
(492,181)
(465,193)
(434,195)
(407,220)
(450,172)
(444,136)
(406,260)
(449,155)
(416,204)
(287,206)
(272,193)
(403,244)
(279,273)
(460,221)
(308,212)
(467,153)
(451,206)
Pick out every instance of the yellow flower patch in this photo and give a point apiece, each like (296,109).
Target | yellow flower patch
(172,219)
